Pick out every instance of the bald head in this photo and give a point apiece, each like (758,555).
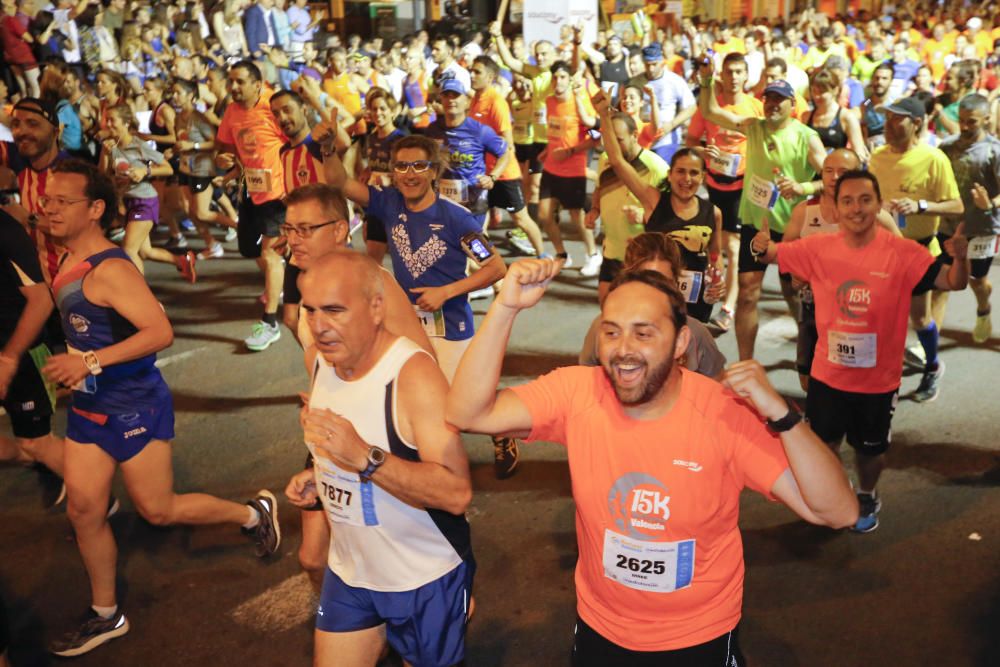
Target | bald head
(350,267)
(838,162)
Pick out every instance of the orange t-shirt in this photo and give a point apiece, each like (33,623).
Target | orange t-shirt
(729,142)
(933,53)
(258,141)
(862,305)
(657,503)
(490,108)
(649,134)
(565,131)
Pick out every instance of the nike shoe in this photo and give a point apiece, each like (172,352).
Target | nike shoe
(869,505)
(266,535)
(93,631)
(983,329)
(230,235)
(505,456)
(930,385)
(591,266)
(262,335)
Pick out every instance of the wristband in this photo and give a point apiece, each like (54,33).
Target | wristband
(786,423)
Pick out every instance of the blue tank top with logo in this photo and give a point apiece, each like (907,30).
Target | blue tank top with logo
(120,388)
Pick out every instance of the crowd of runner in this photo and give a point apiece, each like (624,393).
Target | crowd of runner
(857,153)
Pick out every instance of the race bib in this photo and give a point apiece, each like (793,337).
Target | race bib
(984,247)
(727,164)
(853,350)
(381,178)
(658,567)
(455,190)
(258,180)
(345,498)
(689,283)
(433,323)
(762,193)
(557,128)
(540,116)
(521,128)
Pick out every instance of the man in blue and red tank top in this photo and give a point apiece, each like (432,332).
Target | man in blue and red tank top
(122,412)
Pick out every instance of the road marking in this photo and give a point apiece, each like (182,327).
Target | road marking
(777,332)
(280,607)
(180,356)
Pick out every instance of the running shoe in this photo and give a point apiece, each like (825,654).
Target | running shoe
(176,242)
(116,235)
(94,630)
(591,266)
(230,235)
(520,241)
(262,335)
(356,222)
(869,505)
(187,225)
(215,252)
(481,293)
(267,533)
(505,456)
(723,320)
(566,258)
(983,329)
(915,357)
(930,385)
(186,265)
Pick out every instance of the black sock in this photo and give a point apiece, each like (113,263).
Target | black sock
(270,319)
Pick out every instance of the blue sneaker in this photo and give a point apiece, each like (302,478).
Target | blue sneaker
(187,225)
(870,504)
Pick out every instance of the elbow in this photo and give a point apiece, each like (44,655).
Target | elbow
(459,501)
(456,416)
(165,338)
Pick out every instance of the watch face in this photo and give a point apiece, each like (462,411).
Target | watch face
(376,456)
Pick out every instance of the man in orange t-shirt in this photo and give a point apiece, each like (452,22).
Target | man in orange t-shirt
(658,457)
(725,158)
(861,279)
(569,115)
(490,108)
(249,137)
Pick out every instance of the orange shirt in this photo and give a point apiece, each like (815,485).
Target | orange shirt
(733,144)
(933,53)
(648,134)
(490,108)
(258,141)
(675,64)
(862,305)
(565,131)
(657,503)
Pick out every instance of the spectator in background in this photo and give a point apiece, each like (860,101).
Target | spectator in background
(229,30)
(17,51)
(303,27)
(260,27)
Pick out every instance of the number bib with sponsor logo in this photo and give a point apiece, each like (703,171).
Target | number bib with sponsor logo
(984,247)
(689,283)
(762,193)
(345,497)
(432,322)
(454,189)
(854,350)
(727,164)
(557,128)
(540,115)
(521,129)
(658,567)
(258,180)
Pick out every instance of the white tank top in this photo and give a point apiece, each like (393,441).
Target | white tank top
(814,222)
(377,541)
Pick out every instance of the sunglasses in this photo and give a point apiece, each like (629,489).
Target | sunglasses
(418,166)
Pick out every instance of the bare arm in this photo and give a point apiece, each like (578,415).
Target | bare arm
(852,127)
(433,298)
(957,275)
(714,113)
(37,308)
(336,176)
(648,195)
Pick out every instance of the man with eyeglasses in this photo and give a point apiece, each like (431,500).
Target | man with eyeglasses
(122,411)
(35,128)
(250,133)
(308,241)
(428,240)
(302,164)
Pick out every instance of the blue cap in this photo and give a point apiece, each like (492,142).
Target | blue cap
(453,85)
(780,87)
(652,53)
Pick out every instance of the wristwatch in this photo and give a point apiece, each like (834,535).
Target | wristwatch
(92,362)
(376,457)
(787,422)
(922,206)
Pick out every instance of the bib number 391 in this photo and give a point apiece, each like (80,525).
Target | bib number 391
(658,567)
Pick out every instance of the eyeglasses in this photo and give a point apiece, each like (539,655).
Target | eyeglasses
(59,202)
(418,166)
(305,231)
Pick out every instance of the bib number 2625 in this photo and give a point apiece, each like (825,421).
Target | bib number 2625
(641,565)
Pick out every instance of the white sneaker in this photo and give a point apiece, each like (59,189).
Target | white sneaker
(230,235)
(482,293)
(262,335)
(591,266)
(215,252)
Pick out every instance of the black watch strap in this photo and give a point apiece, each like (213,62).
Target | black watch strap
(787,422)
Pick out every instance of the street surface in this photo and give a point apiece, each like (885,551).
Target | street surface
(924,589)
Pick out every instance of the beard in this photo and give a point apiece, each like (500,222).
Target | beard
(651,385)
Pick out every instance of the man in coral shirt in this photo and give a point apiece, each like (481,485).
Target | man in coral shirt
(249,136)
(658,457)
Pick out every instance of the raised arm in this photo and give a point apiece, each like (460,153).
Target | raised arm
(474,404)
(648,195)
(336,175)
(710,108)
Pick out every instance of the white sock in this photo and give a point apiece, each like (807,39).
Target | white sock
(104,612)
(254,518)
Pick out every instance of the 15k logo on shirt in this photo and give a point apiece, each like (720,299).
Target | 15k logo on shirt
(639,506)
(854,298)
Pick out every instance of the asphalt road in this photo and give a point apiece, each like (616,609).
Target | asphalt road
(921,590)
